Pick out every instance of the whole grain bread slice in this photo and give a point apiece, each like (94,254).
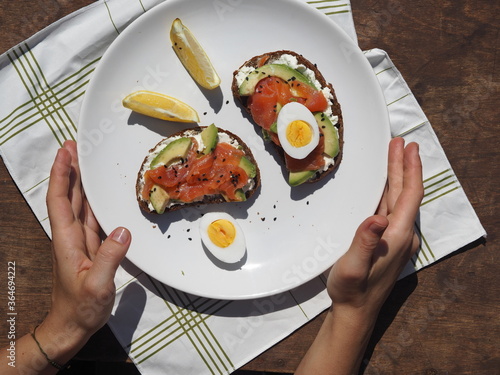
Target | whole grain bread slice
(266,58)
(208,199)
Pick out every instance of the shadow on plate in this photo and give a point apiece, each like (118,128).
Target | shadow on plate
(223,265)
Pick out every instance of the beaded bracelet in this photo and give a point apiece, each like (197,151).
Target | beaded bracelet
(53,363)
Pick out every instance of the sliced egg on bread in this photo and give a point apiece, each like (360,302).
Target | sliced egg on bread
(222,236)
(297,130)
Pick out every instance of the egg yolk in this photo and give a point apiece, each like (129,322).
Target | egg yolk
(299,133)
(221,232)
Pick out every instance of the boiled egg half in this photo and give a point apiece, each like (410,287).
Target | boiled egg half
(297,129)
(222,236)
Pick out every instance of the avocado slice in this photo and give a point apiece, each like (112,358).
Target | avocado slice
(282,71)
(159,198)
(175,150)
(240,196)
(248,167)
(274,127)
(209,138)
(297,178)
(266,136)
(329,132)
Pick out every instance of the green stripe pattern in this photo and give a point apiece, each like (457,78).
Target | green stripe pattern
(46,103)
(437,186)
(187,318)
(331,7)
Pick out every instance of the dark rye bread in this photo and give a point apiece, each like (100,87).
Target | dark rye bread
(266,58)
(211,199)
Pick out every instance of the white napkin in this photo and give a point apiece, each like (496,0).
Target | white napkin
(163,329)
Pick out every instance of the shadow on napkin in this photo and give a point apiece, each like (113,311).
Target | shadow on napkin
(129,315)
(224,308)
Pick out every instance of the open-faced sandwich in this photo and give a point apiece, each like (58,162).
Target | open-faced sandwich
(202,165)
(297,109)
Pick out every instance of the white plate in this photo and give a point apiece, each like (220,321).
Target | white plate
(292,235)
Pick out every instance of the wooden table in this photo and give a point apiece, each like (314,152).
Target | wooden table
(444,319)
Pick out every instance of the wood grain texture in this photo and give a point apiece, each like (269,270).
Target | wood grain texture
(444,319)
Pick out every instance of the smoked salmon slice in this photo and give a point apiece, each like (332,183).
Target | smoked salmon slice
(199,175)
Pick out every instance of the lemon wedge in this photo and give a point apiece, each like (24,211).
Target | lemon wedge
(160,106)
(193,56)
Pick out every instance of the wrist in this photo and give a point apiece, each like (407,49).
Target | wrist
(353,319)
(60,340)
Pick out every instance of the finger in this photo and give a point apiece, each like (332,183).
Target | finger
(395,171)
(75,192)
(108,257)
(365,241)
(409,201)
(382,206)
(58,204)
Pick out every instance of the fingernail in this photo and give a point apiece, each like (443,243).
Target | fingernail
(120,235)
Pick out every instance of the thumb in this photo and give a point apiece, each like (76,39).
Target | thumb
(110,254)
(367,238)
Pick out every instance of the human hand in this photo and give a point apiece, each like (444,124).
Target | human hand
(83,266)
(361,280)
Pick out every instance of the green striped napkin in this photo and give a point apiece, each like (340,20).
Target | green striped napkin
(163,329)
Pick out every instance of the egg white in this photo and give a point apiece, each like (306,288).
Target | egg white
(291,112)
(234,252)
